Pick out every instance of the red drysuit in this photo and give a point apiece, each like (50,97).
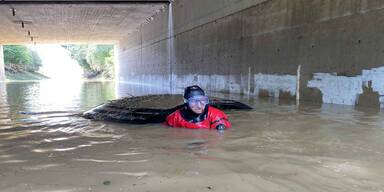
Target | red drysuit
(209,120)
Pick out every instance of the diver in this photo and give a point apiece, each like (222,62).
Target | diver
(197,113)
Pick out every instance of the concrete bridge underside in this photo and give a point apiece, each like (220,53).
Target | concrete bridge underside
(64,21)
(315,50)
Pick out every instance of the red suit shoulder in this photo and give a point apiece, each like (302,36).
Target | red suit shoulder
(214,118)
(217,117)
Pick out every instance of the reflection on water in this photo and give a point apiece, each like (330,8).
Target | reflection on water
(5,121)
(58,95)
(278,146)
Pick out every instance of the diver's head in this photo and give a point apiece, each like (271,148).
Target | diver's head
(195,98)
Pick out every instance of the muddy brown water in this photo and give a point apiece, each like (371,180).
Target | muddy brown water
(278,146)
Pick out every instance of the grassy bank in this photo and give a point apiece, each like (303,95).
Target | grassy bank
(24,76)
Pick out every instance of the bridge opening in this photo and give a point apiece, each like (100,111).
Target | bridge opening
(80,26)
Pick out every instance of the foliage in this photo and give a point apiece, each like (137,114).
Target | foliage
(36,61)
(23,56)
(17,54)
(79,53)
(94,59)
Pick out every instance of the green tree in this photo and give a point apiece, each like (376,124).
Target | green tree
(17,54)
(94,59)
(36,61)
(22,56)
(79,53)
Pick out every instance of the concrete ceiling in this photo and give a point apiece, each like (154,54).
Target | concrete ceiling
(73,21)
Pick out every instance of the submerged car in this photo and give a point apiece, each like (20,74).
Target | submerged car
(150,108)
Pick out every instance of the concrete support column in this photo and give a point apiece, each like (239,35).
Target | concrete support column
(2,70)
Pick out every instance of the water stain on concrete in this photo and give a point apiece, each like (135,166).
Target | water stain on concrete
(369,98)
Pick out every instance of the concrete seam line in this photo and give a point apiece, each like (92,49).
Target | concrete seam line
(298,83)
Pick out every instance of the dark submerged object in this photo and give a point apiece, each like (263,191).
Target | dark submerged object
(149,108)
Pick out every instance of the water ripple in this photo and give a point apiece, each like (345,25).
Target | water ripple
(111,161)
(134,174)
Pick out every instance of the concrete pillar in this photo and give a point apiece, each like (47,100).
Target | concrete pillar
(2,71)
(3,94)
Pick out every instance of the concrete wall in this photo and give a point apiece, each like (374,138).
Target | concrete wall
(2,73)
(316,50)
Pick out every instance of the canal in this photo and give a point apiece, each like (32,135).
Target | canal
(279,146)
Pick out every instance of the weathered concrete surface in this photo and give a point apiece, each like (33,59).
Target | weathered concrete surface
(2,72)
(253,46)
(73,23)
